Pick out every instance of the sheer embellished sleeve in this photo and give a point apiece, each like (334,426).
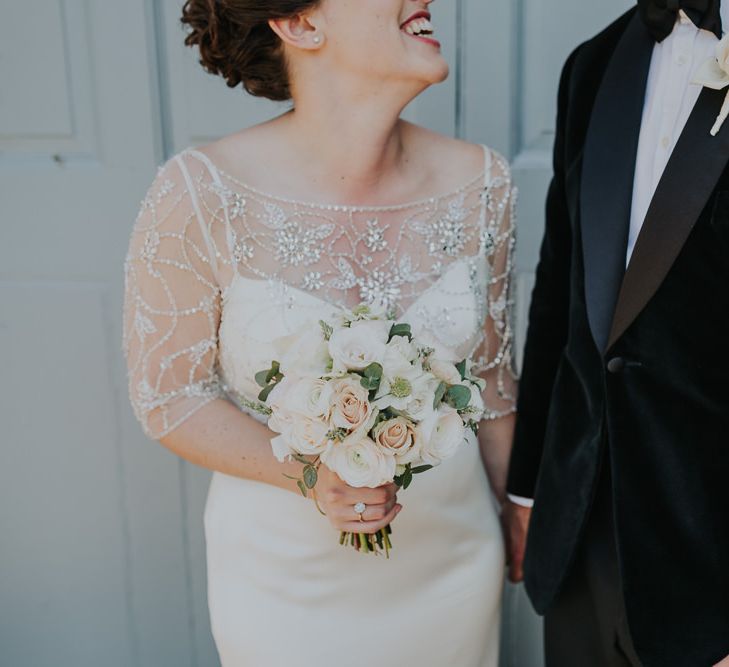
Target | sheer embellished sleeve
(172,306)
(495,358)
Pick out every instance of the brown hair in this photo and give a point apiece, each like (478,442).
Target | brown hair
(236,42)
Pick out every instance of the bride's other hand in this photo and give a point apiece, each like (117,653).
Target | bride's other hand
(515,519)
(337,500)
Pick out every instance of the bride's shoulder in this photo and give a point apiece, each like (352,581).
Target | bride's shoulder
(463,160)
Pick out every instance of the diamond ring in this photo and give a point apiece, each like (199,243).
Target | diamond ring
(359,509)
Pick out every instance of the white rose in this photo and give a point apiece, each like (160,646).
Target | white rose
(349,405)
(361,463)
(278,398)
(400,351)
(445,371)
(310,397)
(399,438)
(441,434)
(307,436)
(358,346)
(304,353)
(281,449)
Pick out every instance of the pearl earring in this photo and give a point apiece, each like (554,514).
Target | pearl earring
(317,39)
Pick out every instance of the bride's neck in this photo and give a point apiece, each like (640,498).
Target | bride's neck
(356,140)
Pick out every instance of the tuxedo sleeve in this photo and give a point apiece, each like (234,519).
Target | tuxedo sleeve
(548,318)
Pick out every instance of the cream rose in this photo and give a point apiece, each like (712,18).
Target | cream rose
(358,346)
(398,437)
(349,404)
(361,463)
(441,434)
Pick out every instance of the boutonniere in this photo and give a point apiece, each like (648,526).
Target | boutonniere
(714,73)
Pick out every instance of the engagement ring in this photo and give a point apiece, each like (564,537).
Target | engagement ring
(359,509)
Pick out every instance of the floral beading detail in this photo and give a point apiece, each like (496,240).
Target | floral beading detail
(215,227)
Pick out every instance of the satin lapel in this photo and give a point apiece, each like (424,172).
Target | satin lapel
(606,191)
(690,177)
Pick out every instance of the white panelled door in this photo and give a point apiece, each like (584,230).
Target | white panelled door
(101,545)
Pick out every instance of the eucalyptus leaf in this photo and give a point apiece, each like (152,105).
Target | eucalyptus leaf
(439,393)
(458,396)
(311,477)
(265,392)
(302,488)
(262,377)
(402,329)
(374,370)
(461,368)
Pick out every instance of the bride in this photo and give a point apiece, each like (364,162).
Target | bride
(246,240)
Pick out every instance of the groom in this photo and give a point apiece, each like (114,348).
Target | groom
(623,431)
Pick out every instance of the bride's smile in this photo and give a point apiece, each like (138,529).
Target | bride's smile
(420,27)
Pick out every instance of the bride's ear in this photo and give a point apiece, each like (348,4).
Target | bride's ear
(301,32)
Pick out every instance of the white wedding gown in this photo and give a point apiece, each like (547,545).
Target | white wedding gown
(216,271)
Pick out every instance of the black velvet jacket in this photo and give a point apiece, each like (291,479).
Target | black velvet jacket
(630,368)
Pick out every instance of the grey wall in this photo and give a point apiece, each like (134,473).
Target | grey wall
(101,551)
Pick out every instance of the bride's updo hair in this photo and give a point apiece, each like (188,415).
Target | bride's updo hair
(236,42)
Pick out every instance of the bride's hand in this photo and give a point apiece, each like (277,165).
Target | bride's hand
(337,499)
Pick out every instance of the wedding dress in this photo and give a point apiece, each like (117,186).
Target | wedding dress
(216,271)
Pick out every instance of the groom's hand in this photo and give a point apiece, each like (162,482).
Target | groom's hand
(516,525)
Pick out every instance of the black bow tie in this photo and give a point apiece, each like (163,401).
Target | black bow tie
(660,15)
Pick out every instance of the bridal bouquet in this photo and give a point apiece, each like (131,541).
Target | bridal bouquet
(361,396)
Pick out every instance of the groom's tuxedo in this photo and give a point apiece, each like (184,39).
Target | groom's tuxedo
(629,369)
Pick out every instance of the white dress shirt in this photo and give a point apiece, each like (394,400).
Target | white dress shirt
(670,98)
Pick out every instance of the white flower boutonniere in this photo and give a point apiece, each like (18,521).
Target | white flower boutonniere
(714,73)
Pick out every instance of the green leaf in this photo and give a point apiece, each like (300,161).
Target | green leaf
(370,384)
(374,370)
(418,469)
(400,330)
(262,377)
(400,479)
(407,478)
(326,329)
(458,396)
(439,393)
(311,477)
(302,488)
(461,368)
(265,392)
(372,377)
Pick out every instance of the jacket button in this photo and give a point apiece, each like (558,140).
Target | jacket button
(616,365)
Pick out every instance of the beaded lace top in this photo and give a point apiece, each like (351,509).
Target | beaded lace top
(201,233)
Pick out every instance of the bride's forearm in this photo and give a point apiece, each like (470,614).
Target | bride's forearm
(222,438)
(495,439)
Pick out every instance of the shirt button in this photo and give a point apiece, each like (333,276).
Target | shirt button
(616,365)
(665,142)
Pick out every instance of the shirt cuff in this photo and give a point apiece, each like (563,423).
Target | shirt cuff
(520,500)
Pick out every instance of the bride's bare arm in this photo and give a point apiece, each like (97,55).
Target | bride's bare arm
(175,274)
(222,438)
